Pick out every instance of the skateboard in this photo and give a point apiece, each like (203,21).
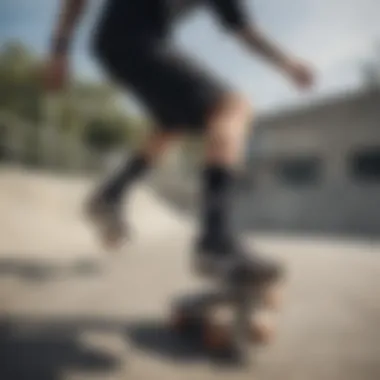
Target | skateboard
(228,319)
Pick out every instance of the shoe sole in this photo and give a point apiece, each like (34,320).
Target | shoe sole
(109,238)
(210,268)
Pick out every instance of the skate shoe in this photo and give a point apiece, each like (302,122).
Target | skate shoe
(226,257)
(107,219)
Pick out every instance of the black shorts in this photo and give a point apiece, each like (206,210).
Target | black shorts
(177,92)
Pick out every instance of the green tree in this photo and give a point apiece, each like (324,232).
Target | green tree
(86,111)
(20,88)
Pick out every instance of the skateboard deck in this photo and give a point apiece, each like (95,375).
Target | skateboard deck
(227,320)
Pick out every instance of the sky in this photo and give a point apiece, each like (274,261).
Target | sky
(335,36)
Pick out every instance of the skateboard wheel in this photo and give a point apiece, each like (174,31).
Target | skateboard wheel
(216,337)
(184,323)
(178,321)
(262,332)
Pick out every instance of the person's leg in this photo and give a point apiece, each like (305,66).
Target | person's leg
(225,135)
(138,70)
(137,165)
(105,206)
(219,247)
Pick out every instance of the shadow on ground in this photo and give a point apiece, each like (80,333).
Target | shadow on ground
(156,338)
(41,270)
(45,351)
(41,349)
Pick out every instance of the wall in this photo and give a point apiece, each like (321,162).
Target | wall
(335,202)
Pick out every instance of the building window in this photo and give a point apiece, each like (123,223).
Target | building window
(298,171)
(365,165)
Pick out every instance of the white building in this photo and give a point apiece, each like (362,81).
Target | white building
(317,169)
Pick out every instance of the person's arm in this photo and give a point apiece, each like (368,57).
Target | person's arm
(69,15)
(235,18)
(56,74)
(259,43)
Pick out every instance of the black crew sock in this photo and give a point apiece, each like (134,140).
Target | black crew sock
(129,173)
(217,207)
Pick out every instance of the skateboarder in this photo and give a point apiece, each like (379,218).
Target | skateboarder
(134,44)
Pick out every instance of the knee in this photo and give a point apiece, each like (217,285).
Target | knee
(232,117)
(234,112)
(237,106)
(228,128)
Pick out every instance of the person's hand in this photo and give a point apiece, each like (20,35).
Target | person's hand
(301,74)
(56,73)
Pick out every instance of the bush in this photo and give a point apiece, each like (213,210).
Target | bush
(104,136)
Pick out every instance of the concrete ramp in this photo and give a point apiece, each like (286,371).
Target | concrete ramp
(70,311)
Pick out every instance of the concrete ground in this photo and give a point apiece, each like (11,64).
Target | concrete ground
(70,311)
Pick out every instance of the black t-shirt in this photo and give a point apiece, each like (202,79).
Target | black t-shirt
(128,20)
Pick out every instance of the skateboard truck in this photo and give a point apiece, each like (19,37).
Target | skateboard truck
(220,321)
